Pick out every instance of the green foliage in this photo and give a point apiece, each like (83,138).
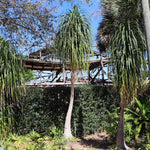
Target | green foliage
(140,118)
(11,86)
(111,127)
(46,108)
(73,39)
(137,122)
(127,53)
(114,147)
(35,25)
(11,79)
(90,108)
(31,141)
(33,135)
(28,75)
(55,132)
(147,147)
(22,143)
(6,121)
(112,124)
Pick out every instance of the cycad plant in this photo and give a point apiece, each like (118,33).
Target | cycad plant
(11,83)
(73,44)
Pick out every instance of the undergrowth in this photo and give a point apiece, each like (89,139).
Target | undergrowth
(33,141)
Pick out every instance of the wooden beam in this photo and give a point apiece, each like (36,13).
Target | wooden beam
(32,67)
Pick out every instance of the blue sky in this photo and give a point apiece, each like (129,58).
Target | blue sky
(92,9)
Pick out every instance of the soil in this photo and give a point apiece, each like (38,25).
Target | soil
(99,141)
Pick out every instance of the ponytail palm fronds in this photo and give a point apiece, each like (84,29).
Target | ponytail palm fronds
(127,48)
(73,39)
(10,74)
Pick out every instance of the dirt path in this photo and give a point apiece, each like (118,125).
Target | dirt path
(96,141)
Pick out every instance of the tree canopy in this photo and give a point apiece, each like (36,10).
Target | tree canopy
(73,38)
(29,23)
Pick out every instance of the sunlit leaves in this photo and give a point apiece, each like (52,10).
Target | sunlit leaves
(73,38)
(127,49)
(11,79)
(26,22)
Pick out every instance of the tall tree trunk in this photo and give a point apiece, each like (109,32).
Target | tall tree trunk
(67,129)
(146,15)
(120,135)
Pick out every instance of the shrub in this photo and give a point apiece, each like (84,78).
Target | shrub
(139,115)
(90,109)
(32,141)
(111,127)
(137,122)
(46,107)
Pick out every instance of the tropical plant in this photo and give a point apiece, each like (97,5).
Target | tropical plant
(126,47)
(11,83)
(140,118)
(73,44)
(113,122)
(114,11)
(128,58)
(26,142)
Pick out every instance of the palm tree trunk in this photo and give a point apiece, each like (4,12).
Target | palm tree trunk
(146,15)
(67,129)
(120,135)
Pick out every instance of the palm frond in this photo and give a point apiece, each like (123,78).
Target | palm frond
(11,73)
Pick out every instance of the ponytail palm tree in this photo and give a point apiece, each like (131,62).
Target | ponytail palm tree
(127,53)
(10,78)
(125,43)
(73,43)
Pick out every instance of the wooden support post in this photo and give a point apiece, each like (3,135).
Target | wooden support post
(57,73)
(89,76)
(28,53)
(102,65)
(40,76)
(40,54)
(96,75)
(64,73)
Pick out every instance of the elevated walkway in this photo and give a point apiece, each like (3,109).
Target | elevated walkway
(51,71)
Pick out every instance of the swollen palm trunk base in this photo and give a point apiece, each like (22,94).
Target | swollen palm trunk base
(120,135)
(67,129)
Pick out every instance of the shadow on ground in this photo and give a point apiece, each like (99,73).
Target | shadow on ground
(99,141)
(102,143)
